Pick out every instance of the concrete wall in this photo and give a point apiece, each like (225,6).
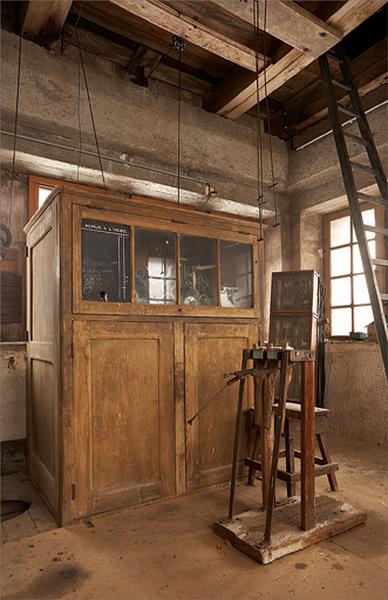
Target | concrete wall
(13,391)
(357,391)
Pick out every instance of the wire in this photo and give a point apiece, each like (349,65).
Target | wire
(273,185)
(179,44)
(79,121)
(15,129)
(179,127)
(90,109)
(259,145)
(79,17)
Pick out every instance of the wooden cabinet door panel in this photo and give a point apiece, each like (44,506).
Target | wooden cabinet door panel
(210,351)
(124,410)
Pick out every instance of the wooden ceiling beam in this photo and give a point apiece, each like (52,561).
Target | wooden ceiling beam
(194,32)
(43,20)
(234,97)
(309,106)
(286,21)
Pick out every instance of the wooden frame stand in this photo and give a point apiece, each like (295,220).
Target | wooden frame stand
(299,523)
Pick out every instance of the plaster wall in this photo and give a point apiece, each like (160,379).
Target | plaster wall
(13,391)
(357,391)
(137,122)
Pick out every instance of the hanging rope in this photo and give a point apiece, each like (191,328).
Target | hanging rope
(90,108)
(15,130)
(259,143)
(274,183)
(179,44)
(79,99)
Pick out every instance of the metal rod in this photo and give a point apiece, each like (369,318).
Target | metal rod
(237,435)
(103,156)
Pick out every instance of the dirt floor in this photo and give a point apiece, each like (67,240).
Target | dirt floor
(168,550)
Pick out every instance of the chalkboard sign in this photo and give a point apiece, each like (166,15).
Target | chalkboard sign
(105,261)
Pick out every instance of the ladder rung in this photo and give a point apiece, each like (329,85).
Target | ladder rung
(376,200)
(384,297)
(342,85)
(356,139)
(348,112)
(380,262)
(363,167)
(375,229)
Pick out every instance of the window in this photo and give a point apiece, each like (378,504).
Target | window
(39,188)
(198,271)
(155,267)
(105,261)
(236,274)
(348,299)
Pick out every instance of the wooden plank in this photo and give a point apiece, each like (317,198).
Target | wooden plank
(309,105)
(307,485)
(180,425)
(245,531)
(235,96)
(286,21)
(42,20)
(171,20)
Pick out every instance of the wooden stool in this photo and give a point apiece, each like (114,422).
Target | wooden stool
(324,465)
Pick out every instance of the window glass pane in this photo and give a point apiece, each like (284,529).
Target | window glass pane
(369,218)
(236,274)
(340,232)
(362,317)
(341,321)
(341,291)
(357,264)
(340,261)
(360,290)
(105,261)
(198,271)
(43,193)
(155,267)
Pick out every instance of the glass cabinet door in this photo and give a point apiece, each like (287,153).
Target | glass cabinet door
(155,267)
(236,274)
(105,251)
(198,271)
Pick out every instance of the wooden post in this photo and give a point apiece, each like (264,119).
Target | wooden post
(307,447)
(267,431)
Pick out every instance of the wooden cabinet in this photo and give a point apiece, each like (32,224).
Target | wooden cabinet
(135,310)
(210,351)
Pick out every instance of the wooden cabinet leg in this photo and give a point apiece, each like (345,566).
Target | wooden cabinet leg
(326,457)
(307,447)
(290,459)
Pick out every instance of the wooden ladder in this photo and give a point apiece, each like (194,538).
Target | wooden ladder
(355,111)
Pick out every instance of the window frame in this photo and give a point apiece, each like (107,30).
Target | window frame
(37,181)
(327,219)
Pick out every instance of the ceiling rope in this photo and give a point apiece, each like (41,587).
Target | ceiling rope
(179,44)
(90,107)
(15,130)
(259,142)
(274,183)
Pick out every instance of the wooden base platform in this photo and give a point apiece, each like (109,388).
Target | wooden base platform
(246,530)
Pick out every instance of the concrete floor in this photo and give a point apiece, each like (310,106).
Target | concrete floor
(168,550)
(17,486)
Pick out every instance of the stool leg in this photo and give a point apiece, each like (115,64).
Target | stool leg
(290,459)
(326,457)
(252,470)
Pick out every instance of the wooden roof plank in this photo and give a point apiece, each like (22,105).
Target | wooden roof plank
(234,98)
(43,20)
(171,20)
(288,22)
